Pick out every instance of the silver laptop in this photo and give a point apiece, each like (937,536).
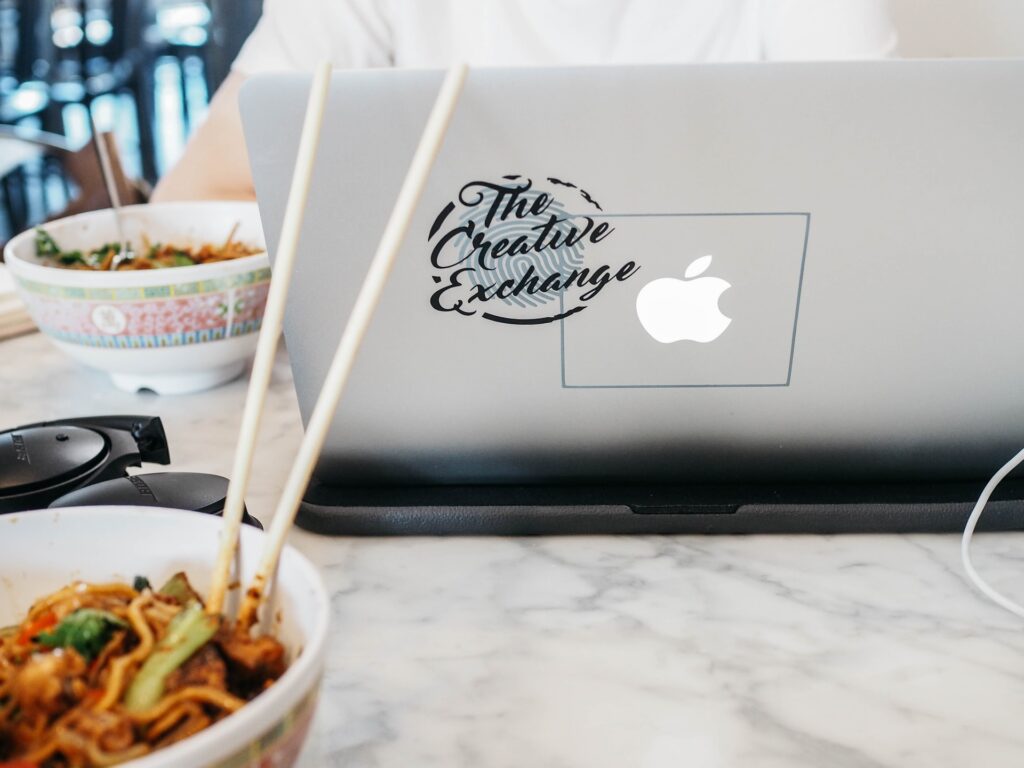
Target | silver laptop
(796,275)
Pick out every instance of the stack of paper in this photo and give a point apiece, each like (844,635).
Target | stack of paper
(14,319)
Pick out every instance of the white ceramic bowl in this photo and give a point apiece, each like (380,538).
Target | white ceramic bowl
(43,551)
(175,330)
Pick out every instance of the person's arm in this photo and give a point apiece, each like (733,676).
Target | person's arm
(215,165)
(797,30)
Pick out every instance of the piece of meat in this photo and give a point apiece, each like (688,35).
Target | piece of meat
(111,731)
(44,682)
(252,661)
(206,667)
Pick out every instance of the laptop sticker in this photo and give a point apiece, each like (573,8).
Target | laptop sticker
(512,252)
(640,299)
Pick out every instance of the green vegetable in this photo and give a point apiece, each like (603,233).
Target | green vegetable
(189,631)
(140,583)
(182,259)
(70,257)
(102,250)
(177,259)
(47,248)
(178,588)
(46,245)
(86,630)
(96,256)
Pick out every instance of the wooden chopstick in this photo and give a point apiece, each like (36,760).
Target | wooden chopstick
(352,337)
(270,332)
(17,325)
(231,235)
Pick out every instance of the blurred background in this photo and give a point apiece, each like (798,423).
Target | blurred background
(144,70)
(141,69)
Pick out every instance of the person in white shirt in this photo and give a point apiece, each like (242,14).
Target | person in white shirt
(298,34)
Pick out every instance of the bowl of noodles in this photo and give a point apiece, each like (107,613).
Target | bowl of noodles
(108,658)
(181,315)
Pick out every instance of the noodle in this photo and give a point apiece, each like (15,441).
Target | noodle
(119,667)
(98,674)
(224,701)
(78,595)
(184,711)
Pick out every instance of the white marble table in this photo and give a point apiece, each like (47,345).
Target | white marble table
(761,652)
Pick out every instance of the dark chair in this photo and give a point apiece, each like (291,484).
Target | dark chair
(83,67)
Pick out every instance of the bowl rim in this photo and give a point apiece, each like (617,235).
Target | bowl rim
(150,277)
(300,679)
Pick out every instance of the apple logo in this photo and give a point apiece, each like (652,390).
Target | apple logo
(684,310)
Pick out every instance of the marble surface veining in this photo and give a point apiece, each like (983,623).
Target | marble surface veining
(760,651)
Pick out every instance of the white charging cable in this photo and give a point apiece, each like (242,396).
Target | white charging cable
(972,522)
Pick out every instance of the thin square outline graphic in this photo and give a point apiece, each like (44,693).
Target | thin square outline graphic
(796,312)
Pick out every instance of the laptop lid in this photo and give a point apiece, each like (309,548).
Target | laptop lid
(694,272)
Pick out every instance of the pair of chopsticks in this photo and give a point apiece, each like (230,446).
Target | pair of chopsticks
(344,357)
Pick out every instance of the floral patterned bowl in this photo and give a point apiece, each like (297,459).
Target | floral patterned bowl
(175,330)
(45,550)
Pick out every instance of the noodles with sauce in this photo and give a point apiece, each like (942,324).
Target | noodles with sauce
(97,674)
(154,256)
